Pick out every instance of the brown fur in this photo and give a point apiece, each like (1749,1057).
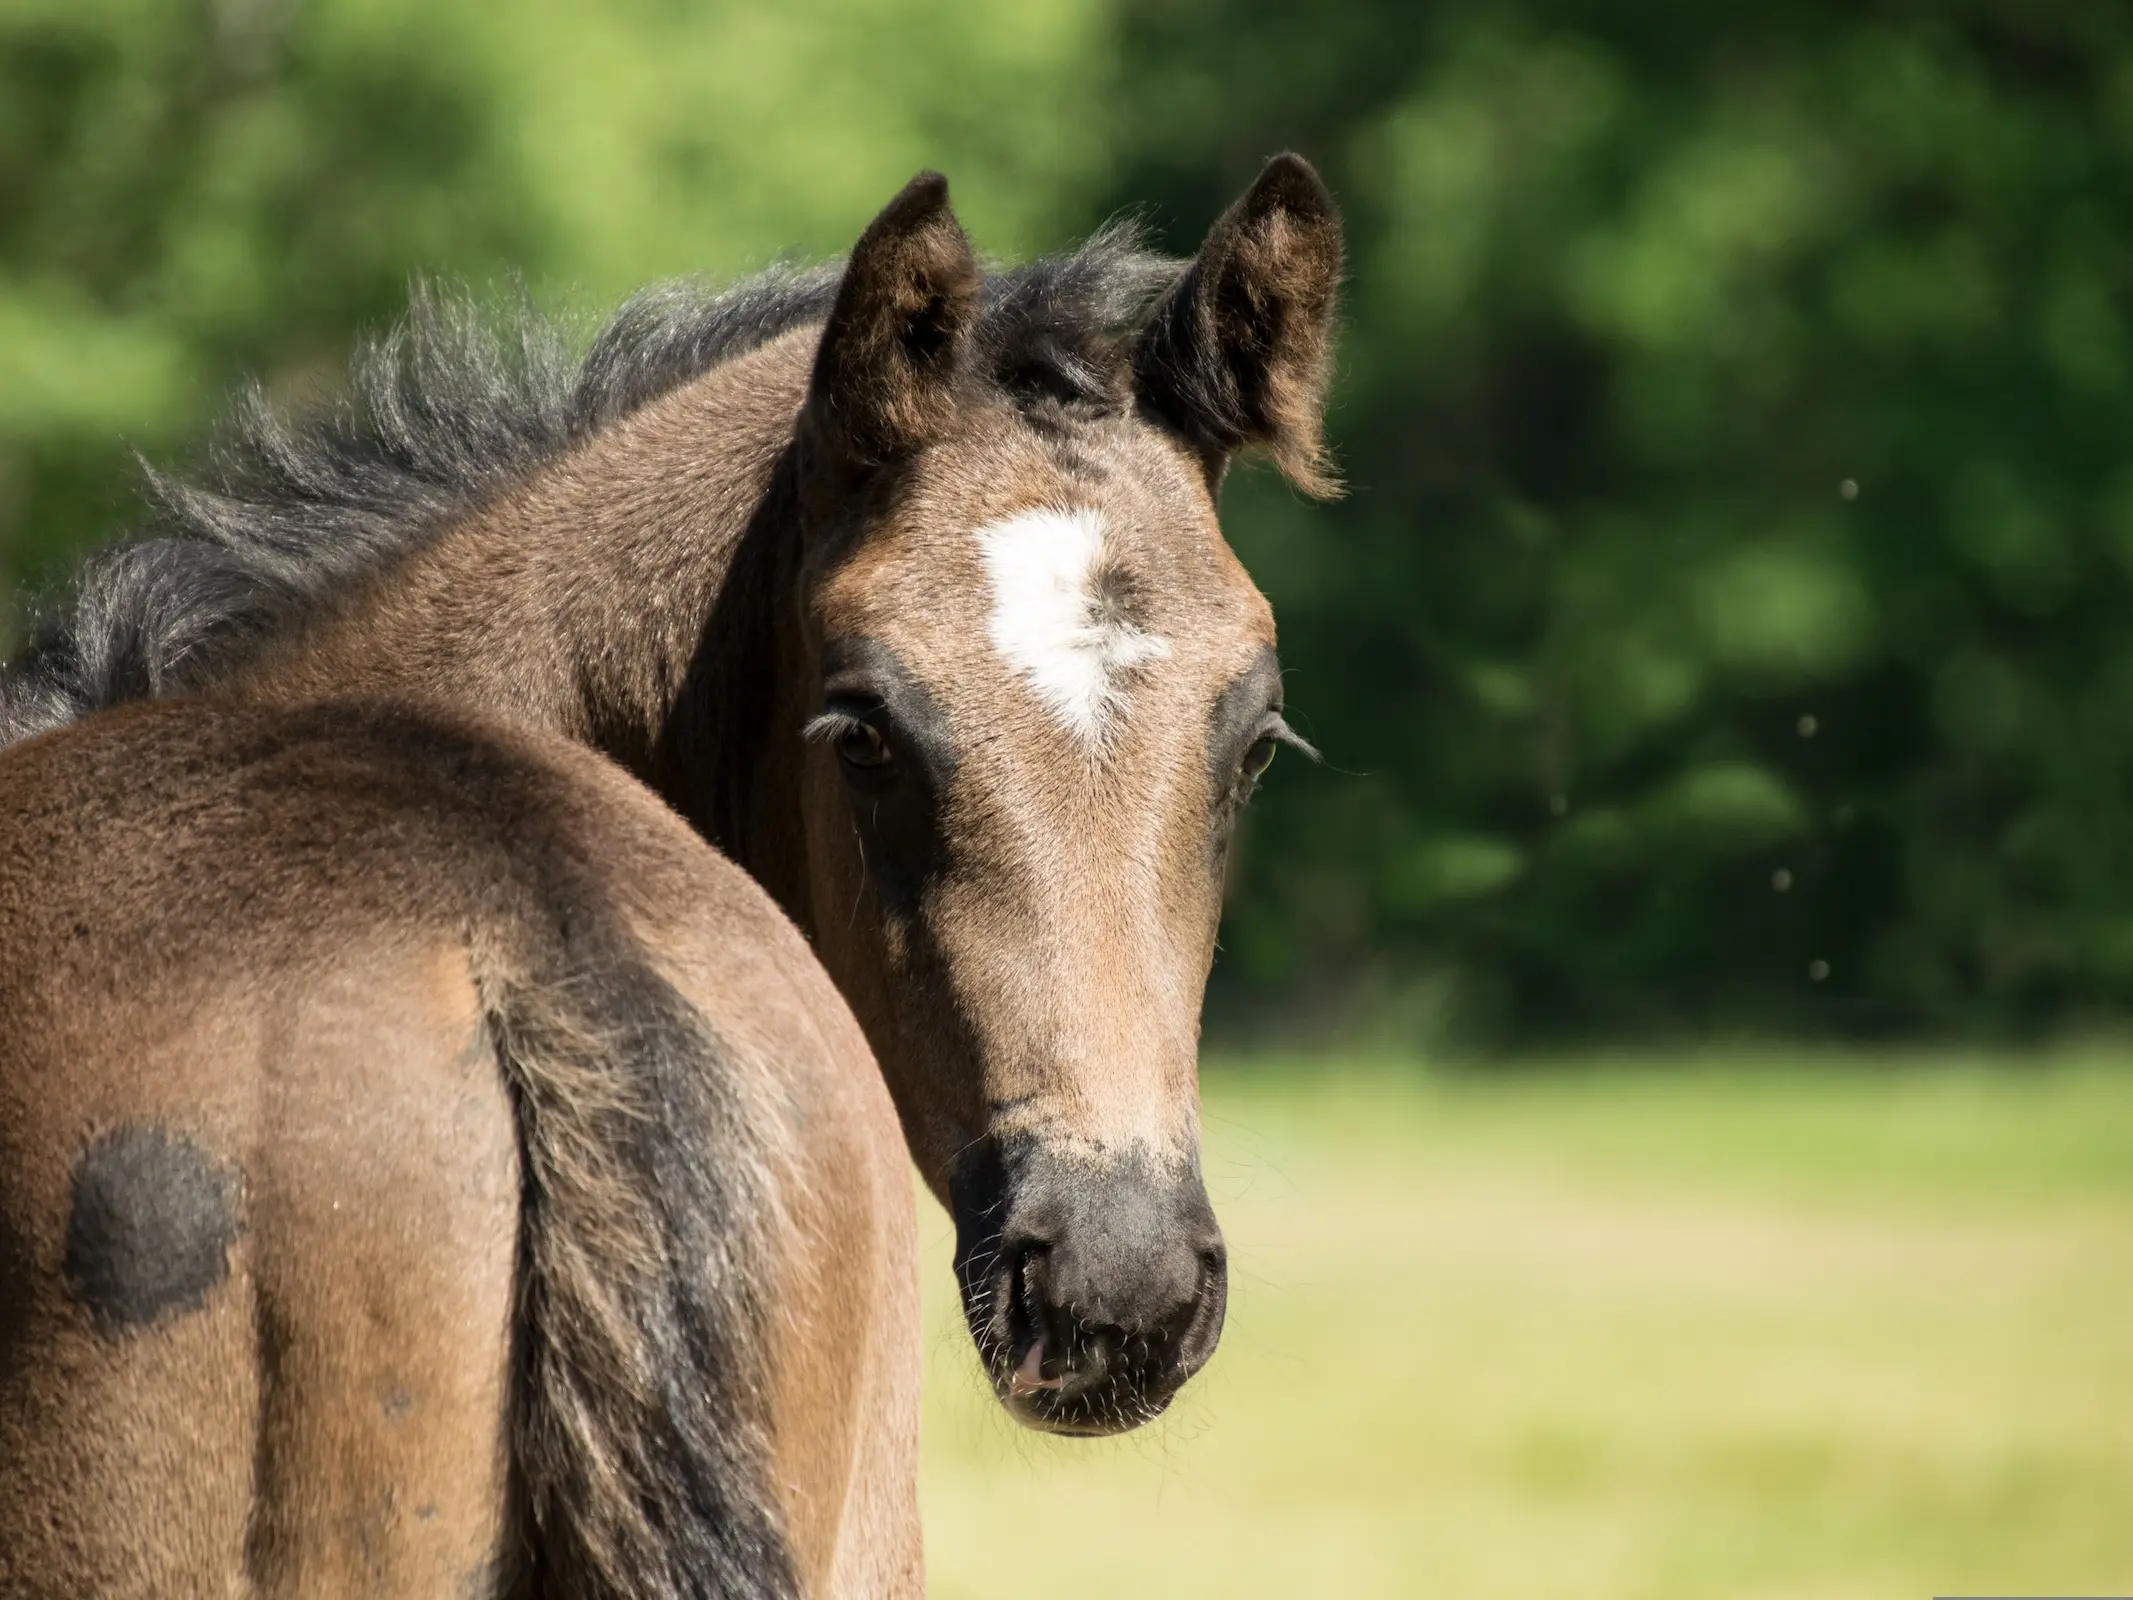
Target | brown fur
(1024,927)
(1241,350)
(571,1245)
(907,301)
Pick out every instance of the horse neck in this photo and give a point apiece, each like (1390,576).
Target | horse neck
(634,595)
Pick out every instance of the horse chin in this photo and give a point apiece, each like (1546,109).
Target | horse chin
(1087,1401)
(1093,1413)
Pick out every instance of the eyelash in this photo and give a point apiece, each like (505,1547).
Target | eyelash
(1277,729)
(830,727)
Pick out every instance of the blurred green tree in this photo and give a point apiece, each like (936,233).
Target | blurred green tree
(196,190)
(1722,627)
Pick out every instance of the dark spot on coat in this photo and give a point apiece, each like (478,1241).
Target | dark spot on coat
(153,1220)
(396,1404)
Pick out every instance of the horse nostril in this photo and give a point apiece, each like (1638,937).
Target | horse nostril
(1026,1272)
(1200,1327)
(1025,1350)
(1214,1278)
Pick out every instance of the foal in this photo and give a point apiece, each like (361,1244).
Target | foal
(903,584)
(427,1169)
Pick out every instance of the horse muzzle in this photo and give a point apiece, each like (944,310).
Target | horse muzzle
(1094,1287)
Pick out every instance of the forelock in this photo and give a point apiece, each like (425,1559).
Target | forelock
(1057,329)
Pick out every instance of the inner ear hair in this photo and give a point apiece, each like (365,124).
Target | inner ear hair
(1240,351)
(885,375)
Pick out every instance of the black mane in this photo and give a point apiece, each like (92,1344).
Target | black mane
(445,411)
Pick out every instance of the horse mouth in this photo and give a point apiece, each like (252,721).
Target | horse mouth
(1092,1295)
(1088,1400)
(1091,1387)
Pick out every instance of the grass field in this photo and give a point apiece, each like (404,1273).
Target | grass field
(1798,1327)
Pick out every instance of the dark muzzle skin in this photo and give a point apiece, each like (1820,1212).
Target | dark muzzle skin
(1094,1286)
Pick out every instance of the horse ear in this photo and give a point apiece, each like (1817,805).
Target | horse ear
(884,378)
(1239,351)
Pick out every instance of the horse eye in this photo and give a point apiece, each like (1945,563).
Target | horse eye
(859,744)
(1259,757)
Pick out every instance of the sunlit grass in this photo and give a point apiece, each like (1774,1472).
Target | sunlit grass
(1751,1328)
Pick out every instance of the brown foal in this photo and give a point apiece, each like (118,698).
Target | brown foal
(902,584)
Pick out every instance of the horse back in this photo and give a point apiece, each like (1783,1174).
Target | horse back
(406,1131)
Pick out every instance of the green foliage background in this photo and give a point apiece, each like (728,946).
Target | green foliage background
(1724,625)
